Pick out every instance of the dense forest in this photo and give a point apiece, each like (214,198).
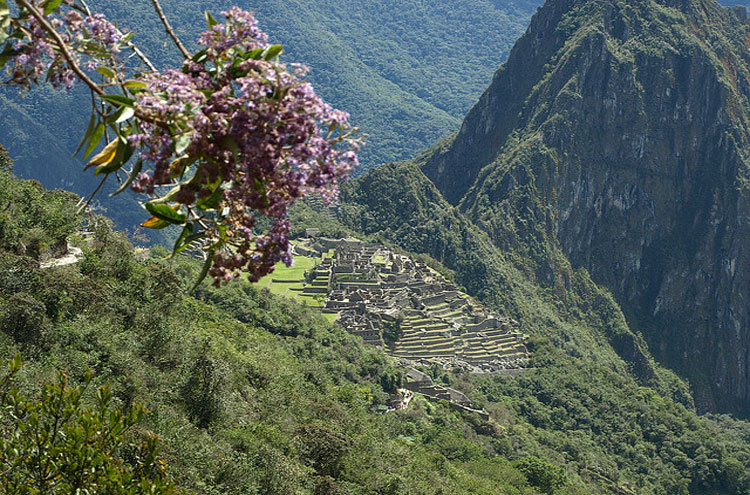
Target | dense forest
(250,393)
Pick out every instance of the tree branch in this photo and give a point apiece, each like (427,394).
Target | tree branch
(62,46)
(170,31)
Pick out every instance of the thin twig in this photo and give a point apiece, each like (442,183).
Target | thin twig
(86,7)
(73,65)
(142,56)
(170,31)
(91,198)
(62,46)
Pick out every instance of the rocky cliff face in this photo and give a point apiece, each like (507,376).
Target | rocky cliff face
(622,129)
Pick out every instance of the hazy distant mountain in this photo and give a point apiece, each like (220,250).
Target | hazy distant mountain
(406,71)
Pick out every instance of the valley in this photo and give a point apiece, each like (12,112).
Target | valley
(549,300)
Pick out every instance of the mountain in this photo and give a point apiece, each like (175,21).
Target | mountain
(406,71)
(620,132)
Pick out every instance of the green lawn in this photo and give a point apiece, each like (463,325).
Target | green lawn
(283,272)
(308,300)
(294,272)
(380,258)
(330,316)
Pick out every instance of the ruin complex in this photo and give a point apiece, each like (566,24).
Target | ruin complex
(392,301)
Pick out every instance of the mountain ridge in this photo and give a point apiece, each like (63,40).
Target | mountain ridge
(627,145)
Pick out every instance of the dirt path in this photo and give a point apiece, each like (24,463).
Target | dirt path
(71,257)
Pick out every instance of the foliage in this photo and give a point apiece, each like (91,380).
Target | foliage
(5,161)
(541,474)
(614,430)
(235,134)
(58,445)
(34,222)
(249,392)
(23,318)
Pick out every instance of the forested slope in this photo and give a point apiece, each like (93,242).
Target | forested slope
(252,394)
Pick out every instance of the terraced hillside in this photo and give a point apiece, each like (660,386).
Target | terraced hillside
(392,301)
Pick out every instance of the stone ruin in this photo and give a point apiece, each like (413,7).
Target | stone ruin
(402,305)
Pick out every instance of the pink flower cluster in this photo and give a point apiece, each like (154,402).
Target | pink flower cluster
(256,130)
(236,134)
(88,38)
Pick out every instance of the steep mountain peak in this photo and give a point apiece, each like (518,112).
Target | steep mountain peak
(619,130)
(571,41)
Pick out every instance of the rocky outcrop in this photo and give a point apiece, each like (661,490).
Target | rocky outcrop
(618,132)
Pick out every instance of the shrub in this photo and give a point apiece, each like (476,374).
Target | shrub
(18,273)
(201,390)
(543,475)
(23,319)
(58,445)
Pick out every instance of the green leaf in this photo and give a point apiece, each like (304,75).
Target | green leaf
(166,212)
(204,271)
(121,115)
(210,19)
(133,174)
(200,56)
(155,223)
(271,52)
(133,84)
(89,130)
(211,201)
(186,238)
(122,155)
(4,21)
(255,54)
(119,100)
(169,197)
(106,72)
(127,113)
(7,53)
(106,155)
(96,137)
(51,6)
(181,142)
(187,231)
